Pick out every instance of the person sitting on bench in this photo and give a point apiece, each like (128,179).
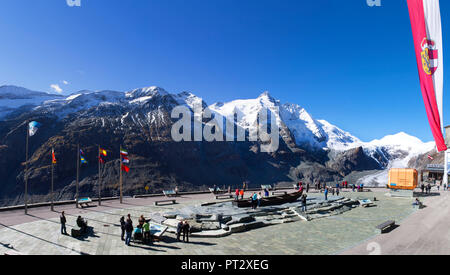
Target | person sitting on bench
(82,224)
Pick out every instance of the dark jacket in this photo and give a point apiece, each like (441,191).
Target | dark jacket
(129,226)
(63,219)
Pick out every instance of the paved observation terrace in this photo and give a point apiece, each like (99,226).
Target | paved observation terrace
(353,232)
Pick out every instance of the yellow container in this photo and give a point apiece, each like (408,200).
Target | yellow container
(403,179)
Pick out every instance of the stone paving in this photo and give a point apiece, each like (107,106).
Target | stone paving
(329,235)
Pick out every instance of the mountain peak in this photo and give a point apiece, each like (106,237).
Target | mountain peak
(146,92)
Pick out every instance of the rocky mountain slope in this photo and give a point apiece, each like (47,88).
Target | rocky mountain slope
(140,120)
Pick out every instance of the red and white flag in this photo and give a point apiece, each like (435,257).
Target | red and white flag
(427,33)
(430,157)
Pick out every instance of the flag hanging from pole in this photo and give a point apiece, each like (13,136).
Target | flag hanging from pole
(53,157)
(427,34)
(103,152)
(82,159)
(33,127)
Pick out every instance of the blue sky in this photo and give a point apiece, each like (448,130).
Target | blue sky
(341,60)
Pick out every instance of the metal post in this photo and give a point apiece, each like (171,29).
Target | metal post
(99,179)
(78,173)
(26,170)
(120,177)
(51,192)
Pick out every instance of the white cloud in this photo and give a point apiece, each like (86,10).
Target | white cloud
(65,82)
(56,88)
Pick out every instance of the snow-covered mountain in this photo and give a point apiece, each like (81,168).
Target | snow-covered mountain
(150,106)
(13,97)
(309,133)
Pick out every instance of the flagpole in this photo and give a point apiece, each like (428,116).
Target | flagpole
(120,177)
(78,173)
(99,180)
(51,194)
(26,170)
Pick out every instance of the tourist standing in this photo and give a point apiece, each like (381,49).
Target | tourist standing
(422,187)
(128,230)
(242,194)
(146,230)
(122,226)
(176,190)
(259,197)
(179,229)
(63,223)
(326,193)
(307,187)
(304,196)
(337,192)
(186,229)
(237,194)
(254,200)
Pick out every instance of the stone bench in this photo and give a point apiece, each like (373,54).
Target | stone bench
(384,227)
(76,231)
(165,202)
(224,196)
(170,193)
(84,201)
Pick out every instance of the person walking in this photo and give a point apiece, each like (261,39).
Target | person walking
(186,230)
(337,192)
(63,223)
(242,194)
(237,194)
(326,193)
(128,230)
(122,226)
(307,187)
(259,198)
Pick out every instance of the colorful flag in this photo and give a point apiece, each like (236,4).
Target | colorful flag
(125,160)
(53,157)
(125,168)
(101,160)
(33,127)
(123,152)
(103,152)
(430,157)
(83,160)
(427,34)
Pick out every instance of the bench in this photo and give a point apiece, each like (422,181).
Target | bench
(84,201)
(76,231)
(279,192)
(165,202)
(365,203)
(170,193)
(216,191)
(384,227)
(224,196)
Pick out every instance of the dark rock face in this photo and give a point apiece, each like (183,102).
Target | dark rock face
(156,160)
(352,160)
